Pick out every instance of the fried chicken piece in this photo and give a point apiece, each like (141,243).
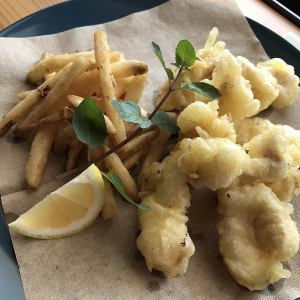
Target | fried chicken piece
(164,240)
(214,163)
(256,233)
(200,119)
(288,82)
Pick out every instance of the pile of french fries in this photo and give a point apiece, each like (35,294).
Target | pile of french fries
(62,83)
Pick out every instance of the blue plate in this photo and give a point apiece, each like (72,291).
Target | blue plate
(77,13)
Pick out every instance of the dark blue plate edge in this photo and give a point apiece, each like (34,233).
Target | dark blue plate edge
(64,8)
(265,35)
(7,30)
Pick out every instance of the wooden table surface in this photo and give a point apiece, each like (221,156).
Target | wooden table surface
(13,10)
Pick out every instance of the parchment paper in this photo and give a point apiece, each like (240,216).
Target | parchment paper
(102,262)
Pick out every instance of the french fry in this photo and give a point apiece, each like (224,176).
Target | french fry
(124,68)
(139,142)
(49,75)
(75,101)
(109,209)
(133,159)
(63,139)
(107,83)
(154,153)
(130,128)
(61,86)
(109,126)
(38,156)
(115,56)
(20,110)
(63,114)
(24,94)
(128,68)
(135,88)
(114,163)
(75,148)
(86,84)
(121,85)
(53,63)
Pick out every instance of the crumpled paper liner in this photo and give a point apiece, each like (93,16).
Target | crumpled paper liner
(102,262)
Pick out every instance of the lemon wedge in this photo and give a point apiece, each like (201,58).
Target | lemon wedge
(66,211)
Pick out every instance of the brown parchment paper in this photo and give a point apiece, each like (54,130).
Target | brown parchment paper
(102,261)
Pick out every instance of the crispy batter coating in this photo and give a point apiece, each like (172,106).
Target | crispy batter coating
(288,82)
(200,119)
(249,128)
(263,85)
(214,163)
(164,240)
(253,165)
(256,233)
(275,156)
(269,156)
(237,97)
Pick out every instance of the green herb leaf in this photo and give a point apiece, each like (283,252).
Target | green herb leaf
(117,183)
(130,112)
(158,54)
(89,124)
(169,73)
(202,88)
(185,54)
(165,122)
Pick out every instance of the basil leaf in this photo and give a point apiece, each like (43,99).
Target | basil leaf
(130,112)
(117,183)
(165,122)
(89,124)
(185,54)
(158,54)
(202,88)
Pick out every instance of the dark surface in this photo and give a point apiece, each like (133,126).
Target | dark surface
(288,8)
(77,13)
(276,46)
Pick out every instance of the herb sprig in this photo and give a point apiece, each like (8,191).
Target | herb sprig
(89,123)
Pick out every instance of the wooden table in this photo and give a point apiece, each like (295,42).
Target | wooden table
(13,10)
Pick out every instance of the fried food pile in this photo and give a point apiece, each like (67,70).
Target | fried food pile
(60,83)
(252,164)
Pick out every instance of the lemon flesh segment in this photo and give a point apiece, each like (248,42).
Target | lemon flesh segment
(66,211)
